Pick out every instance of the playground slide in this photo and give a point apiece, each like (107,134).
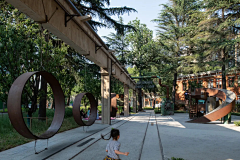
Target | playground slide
(228,101)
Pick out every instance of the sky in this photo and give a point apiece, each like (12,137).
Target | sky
(147,11)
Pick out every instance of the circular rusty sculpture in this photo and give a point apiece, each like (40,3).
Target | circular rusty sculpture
(15,111)
(76,109)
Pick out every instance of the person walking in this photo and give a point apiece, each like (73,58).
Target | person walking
(113,146)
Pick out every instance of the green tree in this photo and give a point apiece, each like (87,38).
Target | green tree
(221,28)
(100,9)
(172,22)
(119,44)
(24,48)
(140,46)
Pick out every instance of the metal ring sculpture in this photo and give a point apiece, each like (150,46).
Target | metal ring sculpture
(76,109)
(15,111)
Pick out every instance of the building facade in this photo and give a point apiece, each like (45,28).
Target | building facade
(210,79)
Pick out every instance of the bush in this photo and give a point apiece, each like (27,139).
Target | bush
(68,112)
(50,113)
(236,114)
(180,112)
(148,108)
(157,111)
(237,123)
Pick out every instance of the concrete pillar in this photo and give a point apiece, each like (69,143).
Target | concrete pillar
(134,102)
(126,100)
(106,96)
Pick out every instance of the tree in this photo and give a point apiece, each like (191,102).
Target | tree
(221,27)
(100,9)
(24,48)
(172,22)
(140,45)
(119,44)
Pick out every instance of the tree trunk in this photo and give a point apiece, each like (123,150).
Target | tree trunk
(68,100)
(140,99)
(174,87)
(224,86)
(43,99)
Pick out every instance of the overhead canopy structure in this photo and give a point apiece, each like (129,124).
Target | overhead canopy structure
(63,19)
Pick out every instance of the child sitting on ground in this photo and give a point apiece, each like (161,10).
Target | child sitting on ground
(113,146)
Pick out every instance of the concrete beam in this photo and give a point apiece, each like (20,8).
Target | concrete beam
(77,33)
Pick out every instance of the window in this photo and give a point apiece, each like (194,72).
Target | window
(230,81)
(210,83)
(219,83)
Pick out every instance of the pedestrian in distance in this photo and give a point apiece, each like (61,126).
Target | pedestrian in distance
(113,146)
(88,113)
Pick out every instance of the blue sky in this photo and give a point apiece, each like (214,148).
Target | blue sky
(147,11)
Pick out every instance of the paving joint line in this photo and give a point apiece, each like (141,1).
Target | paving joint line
(98,140)
(140,154)
(160,142)
(78,141)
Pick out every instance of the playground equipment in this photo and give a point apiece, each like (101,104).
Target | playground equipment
(228,101)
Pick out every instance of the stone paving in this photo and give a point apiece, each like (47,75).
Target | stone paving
(139,135)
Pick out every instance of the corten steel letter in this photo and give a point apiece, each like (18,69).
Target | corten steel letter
(15,111)
(76,109)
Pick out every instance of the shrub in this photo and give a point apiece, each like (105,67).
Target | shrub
(237,123)
(236,114)
(50,113)
(180,112)
(148,108)
(157,111)
(68,112)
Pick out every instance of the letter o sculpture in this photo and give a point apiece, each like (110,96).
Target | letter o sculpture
(76,109)
(15,111)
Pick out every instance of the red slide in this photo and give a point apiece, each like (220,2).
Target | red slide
(228,101)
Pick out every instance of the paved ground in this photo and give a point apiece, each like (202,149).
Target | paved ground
(139,135)
(214,141)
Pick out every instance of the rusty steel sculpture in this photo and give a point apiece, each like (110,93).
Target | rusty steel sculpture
(15,110)
(228,98)
(76,109)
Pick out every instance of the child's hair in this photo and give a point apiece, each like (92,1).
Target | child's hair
(114,134)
